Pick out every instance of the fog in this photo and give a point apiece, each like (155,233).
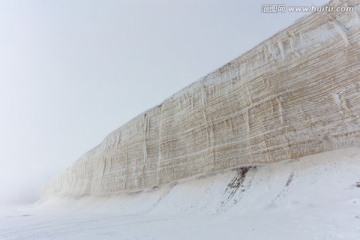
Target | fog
(73,71)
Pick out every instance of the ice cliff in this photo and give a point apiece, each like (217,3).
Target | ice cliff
(295,94)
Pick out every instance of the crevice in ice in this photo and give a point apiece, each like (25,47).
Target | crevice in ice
(282,50)
(342,31)
(340,101)
(281,109)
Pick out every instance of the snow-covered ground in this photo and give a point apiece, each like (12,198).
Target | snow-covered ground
(315,197)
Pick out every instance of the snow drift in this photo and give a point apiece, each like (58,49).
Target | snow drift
(315,197)
(266,147)
(295,94)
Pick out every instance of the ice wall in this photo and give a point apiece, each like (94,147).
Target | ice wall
(295,94)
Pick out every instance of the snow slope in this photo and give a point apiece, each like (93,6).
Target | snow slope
(315,197)
(295,94)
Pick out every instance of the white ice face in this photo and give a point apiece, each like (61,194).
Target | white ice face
(72,72)
(286,98)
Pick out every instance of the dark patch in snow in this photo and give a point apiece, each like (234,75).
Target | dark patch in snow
(173,184)
(289,180)
(237,181)
(137,192)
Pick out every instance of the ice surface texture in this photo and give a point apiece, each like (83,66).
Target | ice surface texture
(295,94)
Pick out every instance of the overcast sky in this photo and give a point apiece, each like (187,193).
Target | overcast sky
(72,71)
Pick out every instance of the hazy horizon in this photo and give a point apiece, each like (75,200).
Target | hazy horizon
(74,71)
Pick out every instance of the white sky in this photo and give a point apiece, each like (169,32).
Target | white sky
(72,71)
